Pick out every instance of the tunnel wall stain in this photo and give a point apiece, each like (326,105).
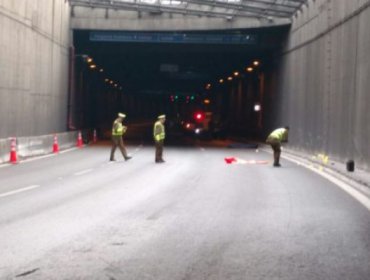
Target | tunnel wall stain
(320,84)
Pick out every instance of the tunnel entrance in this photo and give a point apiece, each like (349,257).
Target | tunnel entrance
(218,73)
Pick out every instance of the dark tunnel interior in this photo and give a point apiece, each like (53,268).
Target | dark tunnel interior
(217,73)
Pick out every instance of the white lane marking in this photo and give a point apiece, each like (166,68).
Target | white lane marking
(20,190)
(49,155)
(82,172)
(69,150)
(363,199)
(5,165)
(38,157)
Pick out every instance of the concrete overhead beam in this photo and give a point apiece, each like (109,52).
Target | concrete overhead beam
(109,19)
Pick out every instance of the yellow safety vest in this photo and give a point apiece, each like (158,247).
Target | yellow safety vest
(118,129)
(280,134)
(158,131)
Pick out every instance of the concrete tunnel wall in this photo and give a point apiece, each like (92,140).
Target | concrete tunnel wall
(34,42)
(320,84)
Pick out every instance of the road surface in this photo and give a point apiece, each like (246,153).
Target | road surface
(78,216)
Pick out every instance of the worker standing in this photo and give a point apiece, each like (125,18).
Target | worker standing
(159,136)
(275,139)
(118,129)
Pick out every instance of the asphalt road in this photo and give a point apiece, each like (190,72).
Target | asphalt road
(78,216)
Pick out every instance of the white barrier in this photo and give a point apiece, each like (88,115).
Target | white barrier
(37,145)
(4,150)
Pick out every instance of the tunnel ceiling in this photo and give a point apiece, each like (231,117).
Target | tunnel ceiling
(146,62)
(229,9)
(163,68)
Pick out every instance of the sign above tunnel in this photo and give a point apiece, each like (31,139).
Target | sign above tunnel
(167,37)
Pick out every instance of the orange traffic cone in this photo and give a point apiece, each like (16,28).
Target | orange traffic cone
(79,140)
(95,136)
(55,145)
(13,151)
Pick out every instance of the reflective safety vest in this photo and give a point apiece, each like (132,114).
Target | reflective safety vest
(118,129)
(280,134)
(158,131)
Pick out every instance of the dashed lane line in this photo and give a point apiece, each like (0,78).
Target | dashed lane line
(20,190)
(83,172)
(59,178)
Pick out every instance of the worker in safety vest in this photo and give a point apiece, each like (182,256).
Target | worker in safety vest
(118,129)
(275,139)
(159,136)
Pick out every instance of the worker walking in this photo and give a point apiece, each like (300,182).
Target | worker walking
(118,129)
(159,136)
(275,139)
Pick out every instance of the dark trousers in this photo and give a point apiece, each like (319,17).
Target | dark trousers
(159,150)
(117,141)
(276,147)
